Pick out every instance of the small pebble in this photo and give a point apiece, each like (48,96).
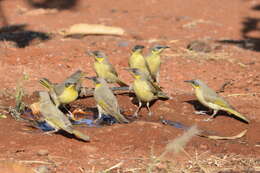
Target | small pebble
(123,43)
(42,152)
(42,169)
(199,46)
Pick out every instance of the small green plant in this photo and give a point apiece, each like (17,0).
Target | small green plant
(19,94)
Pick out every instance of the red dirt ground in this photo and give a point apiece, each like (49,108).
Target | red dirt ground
(171,22)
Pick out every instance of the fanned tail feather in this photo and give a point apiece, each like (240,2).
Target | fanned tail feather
(46,83)
(237,114)
(81,135)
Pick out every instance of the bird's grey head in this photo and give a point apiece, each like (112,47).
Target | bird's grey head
(70,82)
(97,54)
(135,71)
(159,48)
(97,80)
(195,82)
(137,48)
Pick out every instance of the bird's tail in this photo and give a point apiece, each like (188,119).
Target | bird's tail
(121,83)
(162,95)
(46,83)
(237,114)
(120,118)
(80,135)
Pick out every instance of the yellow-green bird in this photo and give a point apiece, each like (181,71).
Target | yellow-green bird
(55,118)
(104,69)
(106,100)
(137,60)
(212,100)
(145,90)
(67,91)
(154,60)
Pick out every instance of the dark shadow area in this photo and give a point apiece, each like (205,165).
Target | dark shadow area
(250,24)
(256,7)
(57,4)
(68,135)
(199,107)
(21,36)
(250,43)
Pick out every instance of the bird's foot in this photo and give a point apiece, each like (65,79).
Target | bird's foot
(150,114)
(201,112)
(50,133)
(135,115)
(208,119)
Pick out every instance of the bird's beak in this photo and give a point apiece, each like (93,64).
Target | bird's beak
(189,81)
(91,53)
(165,47)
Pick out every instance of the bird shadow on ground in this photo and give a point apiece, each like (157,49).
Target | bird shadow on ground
(199,107)
(57,4)
(20,36)
(250,24)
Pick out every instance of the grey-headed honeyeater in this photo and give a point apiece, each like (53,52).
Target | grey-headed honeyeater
(55,118)
(137,60)
(154,60)
(106,100)
(212,100)
(66,91)
(104,69)
(145,90)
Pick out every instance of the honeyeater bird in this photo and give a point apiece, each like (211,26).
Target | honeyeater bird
(145,90)
(212,100)
(104,69)
(137,60)
(55,118)
(66,91)
(106,100)
(154,60)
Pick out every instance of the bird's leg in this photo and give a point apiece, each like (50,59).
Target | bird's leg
(212,116)
(148,107)
(158,77)
(138,109)
(99,112)
(70,114)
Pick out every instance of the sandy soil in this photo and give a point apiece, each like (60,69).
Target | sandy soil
(230,29)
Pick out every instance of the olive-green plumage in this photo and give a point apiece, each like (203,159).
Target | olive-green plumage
(211,99)
(104,69)
(106,100)
(138,61)
(55,118)
(66,91)
(154,60)
(145,90)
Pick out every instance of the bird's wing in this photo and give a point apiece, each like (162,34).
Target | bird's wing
(59,88)
(106,96)
(111,67)
(113,70)
(214,98)
(153,88)
(52,114)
